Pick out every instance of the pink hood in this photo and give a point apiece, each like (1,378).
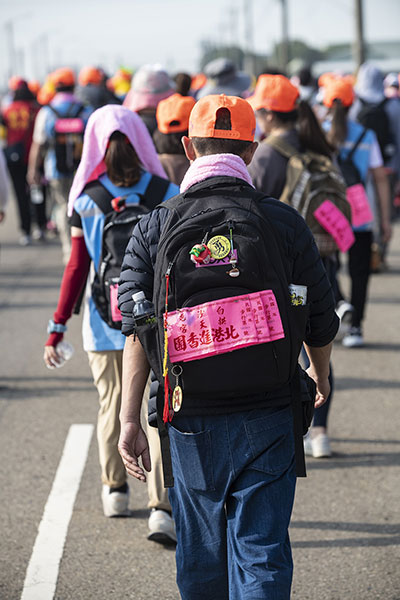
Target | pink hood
(101,124)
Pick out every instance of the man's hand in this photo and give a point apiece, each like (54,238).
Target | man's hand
(323,388)
(2,216)
(132,444)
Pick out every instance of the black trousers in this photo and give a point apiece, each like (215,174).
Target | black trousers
(18,172)
(359,266)
(359,271)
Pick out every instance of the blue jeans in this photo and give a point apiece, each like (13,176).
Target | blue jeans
(232,502)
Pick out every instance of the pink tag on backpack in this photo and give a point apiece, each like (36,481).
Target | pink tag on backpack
(361,212)
(335,223)
(70,125)
(115,312)
(223,325)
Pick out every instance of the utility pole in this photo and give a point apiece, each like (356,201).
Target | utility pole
(248,32)
(284,53)
(9,27)
(233,27)
(359,43)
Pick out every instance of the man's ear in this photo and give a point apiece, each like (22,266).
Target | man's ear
(248,154)
(188,148)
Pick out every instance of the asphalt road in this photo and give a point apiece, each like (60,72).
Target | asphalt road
(346,523)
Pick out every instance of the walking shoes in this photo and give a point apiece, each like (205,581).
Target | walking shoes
(344,311)
(318,446)
(161,527)
(354,338)
(115,501)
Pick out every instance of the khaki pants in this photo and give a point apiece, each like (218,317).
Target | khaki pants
(107,370)
(59,191)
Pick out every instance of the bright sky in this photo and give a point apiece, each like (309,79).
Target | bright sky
(52,33)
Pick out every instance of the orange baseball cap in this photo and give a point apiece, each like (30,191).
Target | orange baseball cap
(204,114)
(274,92)
(198,81)
(338,89)
(326,78)
(34,86)
(63,77)
(90,75)
(175,109)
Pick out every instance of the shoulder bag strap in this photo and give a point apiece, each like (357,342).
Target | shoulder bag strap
(349,156)
(281,146)
(155,191)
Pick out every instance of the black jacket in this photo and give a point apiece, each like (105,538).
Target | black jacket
(301,254)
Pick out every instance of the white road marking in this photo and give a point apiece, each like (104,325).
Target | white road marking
(42,573)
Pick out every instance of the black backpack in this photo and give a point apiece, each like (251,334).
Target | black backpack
(374,116)
(120,220)
(68,138)
(349,170)
(231,211)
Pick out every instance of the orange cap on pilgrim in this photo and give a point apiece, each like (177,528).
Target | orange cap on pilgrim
(204,114)
(338,89)
(173,113)
(63,77)
(90,75)
(274,92)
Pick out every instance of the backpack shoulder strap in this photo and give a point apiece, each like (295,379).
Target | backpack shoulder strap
(55,111)
(356,144)
(281,146)
(100,195)
(75,110)
(155,191)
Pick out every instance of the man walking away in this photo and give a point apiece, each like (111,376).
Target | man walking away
(227,380)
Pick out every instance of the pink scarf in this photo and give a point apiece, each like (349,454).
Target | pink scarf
(101,124)
(213,165)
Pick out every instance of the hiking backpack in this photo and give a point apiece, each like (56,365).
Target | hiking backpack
(374,116)
(121,216)
(250,267)
(68,138)
(311,179)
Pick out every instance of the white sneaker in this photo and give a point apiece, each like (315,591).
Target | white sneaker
(115,504)
(161,527)
(25,240)
(354,338)
(318,446)
(344,311)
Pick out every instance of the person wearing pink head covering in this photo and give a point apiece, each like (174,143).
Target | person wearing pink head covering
(118,160)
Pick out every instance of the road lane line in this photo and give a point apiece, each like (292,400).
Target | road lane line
(42,573)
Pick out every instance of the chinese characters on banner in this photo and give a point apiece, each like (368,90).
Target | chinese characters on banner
(223,325)
(360,210)
(335,223)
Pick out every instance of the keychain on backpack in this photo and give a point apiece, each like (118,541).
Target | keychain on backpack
(234,272)
(177,394)
(200,253)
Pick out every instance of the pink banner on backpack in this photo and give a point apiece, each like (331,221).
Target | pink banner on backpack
(115,312)
(335,223)
(223,325)
(361,212)
(73,125)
